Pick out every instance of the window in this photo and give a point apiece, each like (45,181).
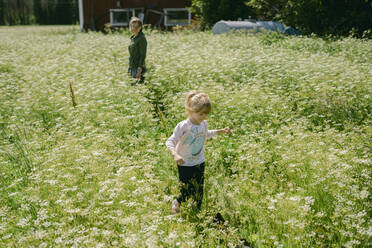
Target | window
(177,16)
(120,17)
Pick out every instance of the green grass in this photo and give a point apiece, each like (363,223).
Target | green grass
(295,172)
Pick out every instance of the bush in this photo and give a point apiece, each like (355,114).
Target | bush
(331,17)
(318,16)
(211,11)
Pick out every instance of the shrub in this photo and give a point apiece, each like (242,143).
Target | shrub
(318,16)
(211,11)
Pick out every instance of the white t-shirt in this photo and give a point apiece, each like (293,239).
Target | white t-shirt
(188,139)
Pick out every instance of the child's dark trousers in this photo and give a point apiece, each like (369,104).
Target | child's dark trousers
(191,179)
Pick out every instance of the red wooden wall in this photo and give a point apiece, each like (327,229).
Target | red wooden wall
(96,12)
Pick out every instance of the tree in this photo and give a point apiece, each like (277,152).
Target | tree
(50,8)
(212,11)
(21,12)
(2,12)
(39,12)
(318,16)
(64,10)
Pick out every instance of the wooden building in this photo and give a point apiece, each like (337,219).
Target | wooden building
(95,14)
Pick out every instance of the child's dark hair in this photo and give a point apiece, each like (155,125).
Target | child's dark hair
(195,102)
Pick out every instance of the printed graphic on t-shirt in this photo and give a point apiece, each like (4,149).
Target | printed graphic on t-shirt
(194,142)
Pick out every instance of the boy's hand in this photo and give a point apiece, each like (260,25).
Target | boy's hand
(179,160)
(139,72)
(225,130)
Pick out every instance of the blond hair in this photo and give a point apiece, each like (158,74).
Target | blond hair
(196,102)
(137,21)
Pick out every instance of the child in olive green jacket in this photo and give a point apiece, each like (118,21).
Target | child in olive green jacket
(137,49)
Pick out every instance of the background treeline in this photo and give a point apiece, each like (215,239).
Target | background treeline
(322,17)
(23,12)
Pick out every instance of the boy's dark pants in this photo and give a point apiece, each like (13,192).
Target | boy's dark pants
(191,179)
(133,74)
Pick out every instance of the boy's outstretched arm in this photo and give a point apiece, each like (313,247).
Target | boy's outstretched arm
(225,130)
(171,145)
(179,160)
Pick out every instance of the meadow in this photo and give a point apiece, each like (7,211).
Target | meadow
(295,172)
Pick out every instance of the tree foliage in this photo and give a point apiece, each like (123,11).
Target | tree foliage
(211,11)
(22,12)
(321,17)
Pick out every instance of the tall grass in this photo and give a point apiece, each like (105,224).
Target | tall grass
(295,172)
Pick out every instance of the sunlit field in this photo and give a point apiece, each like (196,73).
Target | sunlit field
(295,172)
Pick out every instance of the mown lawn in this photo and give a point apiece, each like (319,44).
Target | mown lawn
(295,172)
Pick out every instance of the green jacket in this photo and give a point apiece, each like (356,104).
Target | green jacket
(137,51)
